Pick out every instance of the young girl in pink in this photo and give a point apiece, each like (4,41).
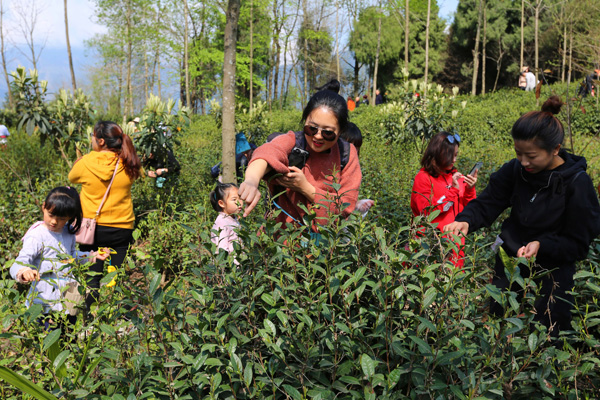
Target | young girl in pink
(226,202)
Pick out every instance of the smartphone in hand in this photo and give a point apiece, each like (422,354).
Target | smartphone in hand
(476,168)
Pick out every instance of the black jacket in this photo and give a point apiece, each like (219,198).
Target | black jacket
(558,208)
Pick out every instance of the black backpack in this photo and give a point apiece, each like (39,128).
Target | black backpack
(299,155)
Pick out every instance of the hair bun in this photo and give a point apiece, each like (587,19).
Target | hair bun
(552,105)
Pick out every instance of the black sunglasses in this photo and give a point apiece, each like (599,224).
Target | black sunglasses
(325,133)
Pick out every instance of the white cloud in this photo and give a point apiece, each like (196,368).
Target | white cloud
(50,25)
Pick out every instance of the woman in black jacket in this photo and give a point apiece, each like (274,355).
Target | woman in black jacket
(554,215)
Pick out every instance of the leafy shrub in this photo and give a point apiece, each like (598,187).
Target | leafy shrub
(366,313)
(62,122)
(358,316)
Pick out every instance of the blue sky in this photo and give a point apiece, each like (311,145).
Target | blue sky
(53,65)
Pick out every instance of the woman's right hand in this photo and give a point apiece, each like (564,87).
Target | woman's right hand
(457,228)
(455,177)
(248,191)
(250,194)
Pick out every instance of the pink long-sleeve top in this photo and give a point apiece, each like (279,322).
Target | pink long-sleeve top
(319,171)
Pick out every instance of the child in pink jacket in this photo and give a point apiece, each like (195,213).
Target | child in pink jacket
(225,201)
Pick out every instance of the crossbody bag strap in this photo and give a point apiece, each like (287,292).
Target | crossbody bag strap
(107,189)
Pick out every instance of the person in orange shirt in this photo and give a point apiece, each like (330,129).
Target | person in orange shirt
(351,104)
(94,171)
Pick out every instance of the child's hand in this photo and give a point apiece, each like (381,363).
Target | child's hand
(30,275)
(102,254)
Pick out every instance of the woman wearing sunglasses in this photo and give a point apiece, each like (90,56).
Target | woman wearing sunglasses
(439,186)
(324,118)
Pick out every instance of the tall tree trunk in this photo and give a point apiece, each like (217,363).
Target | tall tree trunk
(498,62)
(305,49)
(337,40)
(129,99)
(186,55)
(564,55)
(568,84)
(476,50)
(230,39)
(406,35)
(158,77)
(376,58)
(522,34)
(356,76)
(538,5)
(69,50)
(483,52)
(10,95)
(251,53)
(146,74)
(427,23)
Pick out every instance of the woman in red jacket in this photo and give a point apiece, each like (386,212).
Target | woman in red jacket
(439,186)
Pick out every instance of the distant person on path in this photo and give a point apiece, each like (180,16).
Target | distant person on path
(587,86)
(4,134)
(531,81)
(243,154)
(116,219)
(365,99)
(47,247)
(523,79)
(554,214)
(378,97)
(161,170)
(325,119)
(351,104)
(357,101)
(439,185)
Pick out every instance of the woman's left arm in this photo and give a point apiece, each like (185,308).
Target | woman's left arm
(469,193)
(581,224)
(76,172)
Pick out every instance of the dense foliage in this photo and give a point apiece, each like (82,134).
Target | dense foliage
(368,313)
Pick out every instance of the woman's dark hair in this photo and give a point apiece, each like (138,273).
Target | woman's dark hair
(331,101)
(115,140)
(333,85)
(63,201)
(353,135)
(219,194)
(439,154)
(541,126)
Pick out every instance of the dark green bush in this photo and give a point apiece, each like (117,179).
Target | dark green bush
(357,316)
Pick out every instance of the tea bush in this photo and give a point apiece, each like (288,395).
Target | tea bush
(367,313)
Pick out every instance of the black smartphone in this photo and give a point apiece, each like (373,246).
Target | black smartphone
(476,167)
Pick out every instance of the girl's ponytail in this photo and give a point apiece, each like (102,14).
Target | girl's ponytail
(131,161)
(116,140)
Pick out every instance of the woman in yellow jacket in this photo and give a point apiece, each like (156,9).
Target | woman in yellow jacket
(114,225)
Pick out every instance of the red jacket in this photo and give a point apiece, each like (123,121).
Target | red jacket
(430,193)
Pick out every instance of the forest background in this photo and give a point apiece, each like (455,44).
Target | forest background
(285,48)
